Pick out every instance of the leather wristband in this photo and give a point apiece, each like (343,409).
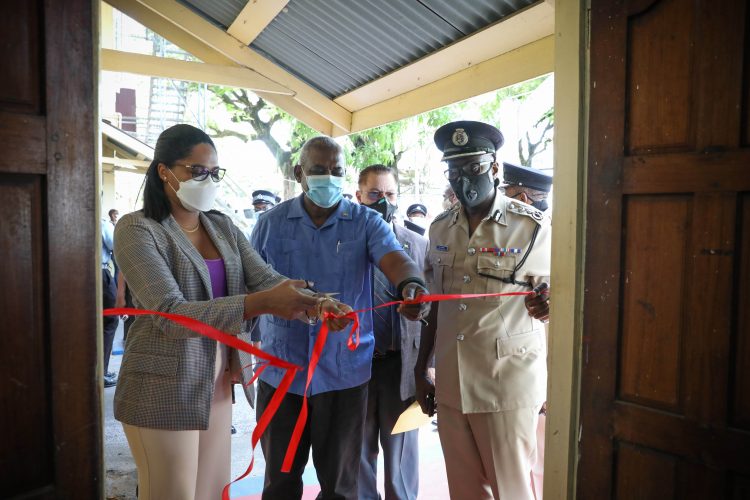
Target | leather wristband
(413,279)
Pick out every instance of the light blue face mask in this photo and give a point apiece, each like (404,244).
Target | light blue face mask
(324,190)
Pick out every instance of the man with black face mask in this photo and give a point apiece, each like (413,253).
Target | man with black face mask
(490,352)
(528,185)
(391,386)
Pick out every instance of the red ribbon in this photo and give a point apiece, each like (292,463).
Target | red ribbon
(290,368)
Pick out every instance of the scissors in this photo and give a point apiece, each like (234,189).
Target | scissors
(322,294)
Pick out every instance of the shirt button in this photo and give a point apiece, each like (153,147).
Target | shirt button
(467,278)
(497,264)
(472,251)
(439,259)
(459,337)
(522,350)
(461,307)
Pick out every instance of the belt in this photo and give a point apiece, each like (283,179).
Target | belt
(387,354)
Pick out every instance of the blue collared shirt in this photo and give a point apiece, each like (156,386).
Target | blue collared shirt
(108,232)
(338,257)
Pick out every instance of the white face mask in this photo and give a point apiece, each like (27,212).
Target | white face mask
(196,196)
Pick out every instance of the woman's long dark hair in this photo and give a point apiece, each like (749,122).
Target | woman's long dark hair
(174,143)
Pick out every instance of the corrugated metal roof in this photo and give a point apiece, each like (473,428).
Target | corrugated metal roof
(339,45)
(219,12)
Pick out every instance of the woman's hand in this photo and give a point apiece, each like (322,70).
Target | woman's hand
(285,300)
(328,305)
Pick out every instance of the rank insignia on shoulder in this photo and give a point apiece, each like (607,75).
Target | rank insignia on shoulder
(441,248)
(528,211)
(441,216)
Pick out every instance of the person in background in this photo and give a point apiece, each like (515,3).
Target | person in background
(416,211)
(532,187)
(528,185)
(391,387)
(449,198)
(109,295)
(416,218)
(264,200)
(179,256)
(113,215)
(490,352)
(335,244)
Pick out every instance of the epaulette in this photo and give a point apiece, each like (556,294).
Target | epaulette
(527,210)
(442,215)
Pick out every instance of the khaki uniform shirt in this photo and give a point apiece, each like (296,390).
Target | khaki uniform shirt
(490,354)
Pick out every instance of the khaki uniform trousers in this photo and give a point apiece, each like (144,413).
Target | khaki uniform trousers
(187,465)
(489,455)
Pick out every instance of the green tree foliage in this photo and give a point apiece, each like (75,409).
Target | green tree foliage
(261,116)
(534,141)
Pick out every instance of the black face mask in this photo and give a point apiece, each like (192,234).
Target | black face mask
(472,190)
(540,205)
(384,208)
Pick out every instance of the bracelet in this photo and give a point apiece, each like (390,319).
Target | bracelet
(320,305)
(413,279)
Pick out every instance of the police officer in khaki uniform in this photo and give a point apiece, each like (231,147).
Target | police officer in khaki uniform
(490,353)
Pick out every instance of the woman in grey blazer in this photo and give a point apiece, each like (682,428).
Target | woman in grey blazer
(173,396)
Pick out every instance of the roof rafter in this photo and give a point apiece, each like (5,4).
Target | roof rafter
(241,54)
(208,54)
(518,65)
(231,76)
(253,18)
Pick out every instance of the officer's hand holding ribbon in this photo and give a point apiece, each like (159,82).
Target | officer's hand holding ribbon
(537,303)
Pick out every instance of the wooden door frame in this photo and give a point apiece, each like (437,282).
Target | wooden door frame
(72,137)
(568,243)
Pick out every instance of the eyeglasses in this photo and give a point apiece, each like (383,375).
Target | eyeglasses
(375,195)
(201,173)
(475,168)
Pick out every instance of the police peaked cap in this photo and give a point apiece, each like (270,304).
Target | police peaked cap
(263,196)
(416,207)
(516,175)
(467,138)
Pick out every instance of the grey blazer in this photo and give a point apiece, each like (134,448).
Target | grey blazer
(166,380)
(415,245)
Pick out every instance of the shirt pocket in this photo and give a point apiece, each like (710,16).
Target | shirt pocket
(442,270)
(353,260)
(527,345)
(287,256)
(493,269)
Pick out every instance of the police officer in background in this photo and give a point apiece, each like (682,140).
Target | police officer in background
(490,353)
(529,185)
(264,200)
(416,218)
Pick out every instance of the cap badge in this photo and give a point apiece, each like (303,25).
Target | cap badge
(460,138)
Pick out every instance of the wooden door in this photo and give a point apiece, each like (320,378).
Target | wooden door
(665,395)
(50,416)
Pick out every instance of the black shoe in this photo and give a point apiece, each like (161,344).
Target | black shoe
(110,381)
(234,431)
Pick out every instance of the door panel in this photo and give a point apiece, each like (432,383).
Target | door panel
(50,401)
(665,396)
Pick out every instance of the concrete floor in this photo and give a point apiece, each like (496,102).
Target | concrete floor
(121,474)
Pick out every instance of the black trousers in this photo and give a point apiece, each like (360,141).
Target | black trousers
(109,294)
(334,430)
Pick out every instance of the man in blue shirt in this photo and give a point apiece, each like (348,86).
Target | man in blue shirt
(109,294)
(333,243)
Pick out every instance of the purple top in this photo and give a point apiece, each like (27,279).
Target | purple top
(218,277)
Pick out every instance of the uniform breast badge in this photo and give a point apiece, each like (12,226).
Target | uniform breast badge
(500,251)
